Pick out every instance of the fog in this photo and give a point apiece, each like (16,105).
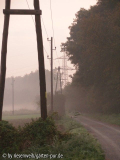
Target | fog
(26,91)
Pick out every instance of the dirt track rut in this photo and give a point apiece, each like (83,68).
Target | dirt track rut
(107,135)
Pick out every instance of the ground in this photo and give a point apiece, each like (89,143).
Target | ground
(107,135)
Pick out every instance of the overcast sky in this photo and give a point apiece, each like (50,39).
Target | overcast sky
(22,46)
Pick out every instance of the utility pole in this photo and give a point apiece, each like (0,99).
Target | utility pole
(58,79)
(3,56)
(13,94)
(64,67)
(56,84)
(41,62)
(51,74)
(37,12)
(51,71)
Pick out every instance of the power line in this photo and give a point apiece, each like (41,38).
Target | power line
(41,18)
(52,21)
(44,29)
(43,25)
(29,8)
(53,29)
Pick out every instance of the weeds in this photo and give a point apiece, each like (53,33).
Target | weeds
(43,137)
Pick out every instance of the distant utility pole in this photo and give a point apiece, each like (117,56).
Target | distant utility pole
(58,79)
(51,71)
(64,67)
(13,94)
(37,12)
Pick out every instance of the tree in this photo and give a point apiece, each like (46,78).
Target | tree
(93,46)
(108,3)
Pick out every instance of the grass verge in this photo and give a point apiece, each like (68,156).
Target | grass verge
(108,118)
(79,145)
(42,140)
(11,117)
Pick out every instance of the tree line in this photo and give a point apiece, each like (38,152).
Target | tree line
(94,48)
(26,89)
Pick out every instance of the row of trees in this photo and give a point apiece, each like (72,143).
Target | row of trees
(26,89)
(94,48)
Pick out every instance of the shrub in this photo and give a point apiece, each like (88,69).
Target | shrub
(38,132)
(8,138)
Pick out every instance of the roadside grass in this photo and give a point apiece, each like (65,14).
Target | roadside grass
(80,145)
(108,118)
(42,139)
(20,112)
(28,116)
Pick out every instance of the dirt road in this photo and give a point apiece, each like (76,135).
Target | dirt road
(107,135)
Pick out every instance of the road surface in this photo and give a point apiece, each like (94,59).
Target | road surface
(107,135)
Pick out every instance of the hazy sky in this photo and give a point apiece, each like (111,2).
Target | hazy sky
(22,46)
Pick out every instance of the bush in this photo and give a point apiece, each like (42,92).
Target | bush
(8,138)
(75,144)
(38,132)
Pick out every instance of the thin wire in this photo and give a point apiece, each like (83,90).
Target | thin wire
(53,29)
(29,8)
(43,25)
(52,20)
(44,28)
(41,18)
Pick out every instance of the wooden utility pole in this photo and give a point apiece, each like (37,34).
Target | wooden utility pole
(51,71)
(3,56)
(37,13)
(51,74)
(13,94)
(41,62)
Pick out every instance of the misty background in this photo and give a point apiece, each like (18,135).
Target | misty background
(22,60)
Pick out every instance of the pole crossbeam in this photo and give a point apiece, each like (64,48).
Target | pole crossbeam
(37,13)
(22,12)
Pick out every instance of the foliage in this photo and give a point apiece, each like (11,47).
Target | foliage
(108,3)
(8,138)
(80,145)
(38,132)
(42,137)
(93,46)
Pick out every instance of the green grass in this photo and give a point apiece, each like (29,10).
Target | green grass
(21,116)
(75,144)
(80,146)
(109,118)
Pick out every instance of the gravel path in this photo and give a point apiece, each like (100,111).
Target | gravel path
(107,135)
